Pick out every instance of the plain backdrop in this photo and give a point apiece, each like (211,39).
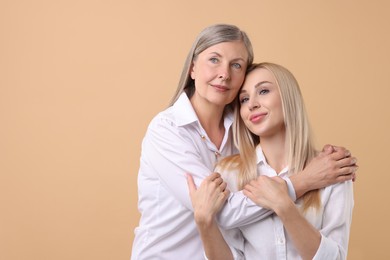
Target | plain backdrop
(80,81)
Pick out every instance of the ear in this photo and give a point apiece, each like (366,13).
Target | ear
(192,72)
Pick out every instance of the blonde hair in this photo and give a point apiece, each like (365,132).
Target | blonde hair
(300,147)
(210,36)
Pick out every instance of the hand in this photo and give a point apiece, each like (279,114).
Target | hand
(332,165)
(268,192)
(337,148)
(209,198)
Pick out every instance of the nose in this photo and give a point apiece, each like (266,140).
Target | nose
(253,104)
(224,73)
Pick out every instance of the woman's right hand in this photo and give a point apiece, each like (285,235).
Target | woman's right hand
(332,165)
(208,199)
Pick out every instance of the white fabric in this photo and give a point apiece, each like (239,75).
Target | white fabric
(267,239)
(172,147)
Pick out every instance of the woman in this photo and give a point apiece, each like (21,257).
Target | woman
(189,137)
(272,133)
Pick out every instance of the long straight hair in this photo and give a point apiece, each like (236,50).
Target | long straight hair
(210,36)
(299,144)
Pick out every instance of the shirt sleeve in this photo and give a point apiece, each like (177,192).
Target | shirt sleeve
(169,153)
(239,210)
(337,218)
(291,189)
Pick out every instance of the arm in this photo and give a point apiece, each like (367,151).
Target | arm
(207,200)
(272,193)
(336,221)
(329,238)
(332,165)
(169,153)
(239,210)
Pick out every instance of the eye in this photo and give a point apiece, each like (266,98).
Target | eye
(263,91)
(236,65)
(244,100)
(214,60)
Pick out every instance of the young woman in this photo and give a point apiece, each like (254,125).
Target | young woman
(189,137)
(272,133)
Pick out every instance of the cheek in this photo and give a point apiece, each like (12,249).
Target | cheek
(239,78)
(280,113)
(206,73)
(276,103)
(242,79)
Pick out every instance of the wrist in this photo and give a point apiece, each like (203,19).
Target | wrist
(283,210)
(203,220)
(300,183)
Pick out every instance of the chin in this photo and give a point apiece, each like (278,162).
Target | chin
(220,102)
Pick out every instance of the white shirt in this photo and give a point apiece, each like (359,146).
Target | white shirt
(267,239)
(176,144)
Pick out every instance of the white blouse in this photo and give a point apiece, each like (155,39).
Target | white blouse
(175,144)
(267,239)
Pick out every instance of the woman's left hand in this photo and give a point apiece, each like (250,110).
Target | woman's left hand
(209,198)
(268,192)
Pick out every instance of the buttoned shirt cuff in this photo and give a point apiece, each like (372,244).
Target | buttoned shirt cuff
(291,190)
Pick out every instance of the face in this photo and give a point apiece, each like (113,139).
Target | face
(219,72)
(261,105)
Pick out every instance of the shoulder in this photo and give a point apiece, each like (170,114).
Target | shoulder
(341,186)
(169,119)
(165,131)
(342,190)
(180,115)
(163,117)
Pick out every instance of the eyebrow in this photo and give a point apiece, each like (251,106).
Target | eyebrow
(216,53)
(257,85)
(236,59)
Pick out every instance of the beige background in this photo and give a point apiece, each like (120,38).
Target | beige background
(80,80)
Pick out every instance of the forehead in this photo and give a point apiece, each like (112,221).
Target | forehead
(232,50)
(258,75)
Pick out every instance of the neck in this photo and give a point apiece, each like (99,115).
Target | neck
(211,119)
(274,149)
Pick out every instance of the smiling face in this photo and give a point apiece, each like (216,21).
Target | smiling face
(219,72)
(260,104)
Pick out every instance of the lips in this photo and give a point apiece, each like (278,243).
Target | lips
(257,117)
(220,88)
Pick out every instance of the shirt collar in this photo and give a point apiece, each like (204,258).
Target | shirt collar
(260,155)
(185,113)
(261,160)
